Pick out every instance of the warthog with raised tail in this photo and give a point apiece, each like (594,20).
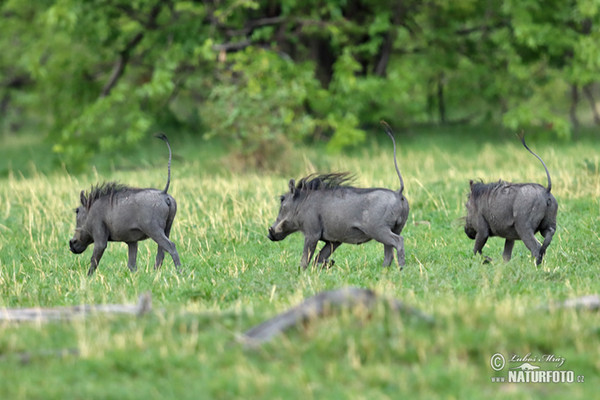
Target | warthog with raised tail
(112,212)
(324,208)
(513,211)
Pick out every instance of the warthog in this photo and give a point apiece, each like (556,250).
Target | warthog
(514,211)
(118,213)
(324,208)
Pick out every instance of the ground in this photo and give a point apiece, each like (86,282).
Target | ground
(234,278)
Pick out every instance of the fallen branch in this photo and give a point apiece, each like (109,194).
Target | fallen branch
(38,314)
(26,357)
(587,303)
(319,306)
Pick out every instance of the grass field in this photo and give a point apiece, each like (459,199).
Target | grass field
(234,278)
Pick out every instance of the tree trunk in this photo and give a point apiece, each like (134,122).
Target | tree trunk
(587,90)
(385,51)
(440,99)
(323,54)
(573,109)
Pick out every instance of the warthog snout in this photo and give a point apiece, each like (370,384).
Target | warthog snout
(275,236)
(471,233)
(271,234)
(76,247)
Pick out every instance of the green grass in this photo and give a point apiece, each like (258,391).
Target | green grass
(235,278)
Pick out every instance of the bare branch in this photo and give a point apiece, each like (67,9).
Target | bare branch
(232,46)
(39,314)
(120,64)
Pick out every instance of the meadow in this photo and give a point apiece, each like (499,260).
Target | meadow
(235,278)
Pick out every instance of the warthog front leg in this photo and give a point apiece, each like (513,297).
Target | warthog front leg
(508,248)
(483,233)
(310,244)
(99,248)
(131,261)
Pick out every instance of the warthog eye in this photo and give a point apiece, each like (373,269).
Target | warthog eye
(282,198)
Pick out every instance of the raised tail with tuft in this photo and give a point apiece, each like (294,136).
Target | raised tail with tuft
(162,136)
(549,187)
(390,133)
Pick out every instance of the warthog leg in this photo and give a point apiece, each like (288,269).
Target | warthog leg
(388,253)
(326,251)
(548,234)
(528,237)
(131,262)
(164,244)
(99,248)
(508,248)
(390,241)
(483,233)
(400,251)
(310,244)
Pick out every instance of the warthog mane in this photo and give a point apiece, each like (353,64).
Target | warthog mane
(102,190)
(325,181)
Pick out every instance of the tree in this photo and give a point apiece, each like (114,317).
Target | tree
(263,74)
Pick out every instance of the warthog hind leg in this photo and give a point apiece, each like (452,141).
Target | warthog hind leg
(326,251)
(548,234)
(164,244)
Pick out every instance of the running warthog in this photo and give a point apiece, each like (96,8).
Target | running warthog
(514,211)
(112,212)
(324,208)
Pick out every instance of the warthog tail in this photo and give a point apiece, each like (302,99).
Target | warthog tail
(390,133)
(162,136)
(549,187)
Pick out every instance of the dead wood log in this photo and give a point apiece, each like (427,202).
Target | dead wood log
(38,314)
(587,303)
(321,305)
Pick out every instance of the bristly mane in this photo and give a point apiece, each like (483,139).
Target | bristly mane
(105,189)
(324,181)
(478,189)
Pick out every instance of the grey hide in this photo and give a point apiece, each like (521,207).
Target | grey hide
(323,208)
(117,213)
(513,211)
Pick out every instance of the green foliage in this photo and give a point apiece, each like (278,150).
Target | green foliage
(258,105)
(98,76)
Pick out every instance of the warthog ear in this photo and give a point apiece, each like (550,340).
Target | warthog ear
(471,183)
(292,185)
(82,198)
